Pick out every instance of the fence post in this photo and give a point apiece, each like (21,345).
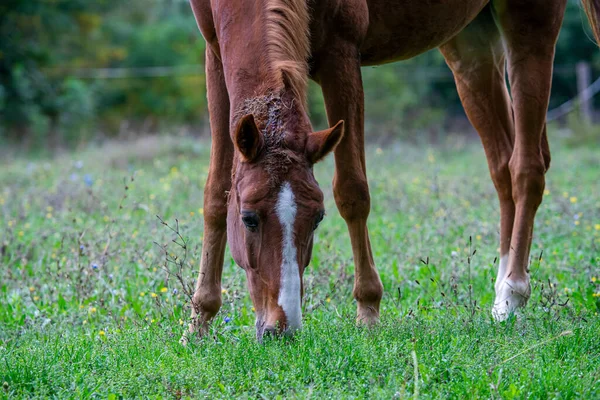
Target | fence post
(584,80)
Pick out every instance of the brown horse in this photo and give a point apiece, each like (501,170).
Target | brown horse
(261,194)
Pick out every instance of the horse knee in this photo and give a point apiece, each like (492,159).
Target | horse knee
(528,180)
(215,206)
(352,198)
(501,178)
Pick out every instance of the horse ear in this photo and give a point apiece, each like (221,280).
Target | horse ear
(247,138)
(321,143)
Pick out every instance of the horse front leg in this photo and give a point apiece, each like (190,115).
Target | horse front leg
(206,300)
(340,78)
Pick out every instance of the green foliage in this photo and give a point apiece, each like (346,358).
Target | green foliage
(48,47)
(90,306)
(52,93)
(167,37)
(35,36)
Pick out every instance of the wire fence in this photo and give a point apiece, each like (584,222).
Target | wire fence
(572,104)
(416,71)
(424,73)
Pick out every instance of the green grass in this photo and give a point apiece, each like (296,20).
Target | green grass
(87,308)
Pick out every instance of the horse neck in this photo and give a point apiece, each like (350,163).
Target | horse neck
(250,69)
(256,88)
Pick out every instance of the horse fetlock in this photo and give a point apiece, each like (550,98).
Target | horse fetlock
(368,296)
(367,314)
(511,294)
(206,304)
(368,292)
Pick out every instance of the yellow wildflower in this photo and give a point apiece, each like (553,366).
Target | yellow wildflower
(142,294)
(163,290)
(153,294)
(573,199)
(101,333)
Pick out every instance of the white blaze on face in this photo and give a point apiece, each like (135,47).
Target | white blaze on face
(289,290)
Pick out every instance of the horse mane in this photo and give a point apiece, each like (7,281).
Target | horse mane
(288,44)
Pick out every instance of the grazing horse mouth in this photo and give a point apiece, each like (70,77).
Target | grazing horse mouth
(264,331)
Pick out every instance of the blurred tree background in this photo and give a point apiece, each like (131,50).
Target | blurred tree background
(74,71)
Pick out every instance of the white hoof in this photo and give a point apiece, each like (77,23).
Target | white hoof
(510,296)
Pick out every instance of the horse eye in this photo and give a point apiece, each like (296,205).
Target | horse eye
(318,219)
(250,219)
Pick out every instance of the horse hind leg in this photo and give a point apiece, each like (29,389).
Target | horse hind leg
(477,59)
(530,29)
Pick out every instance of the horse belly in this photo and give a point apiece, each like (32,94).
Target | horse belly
(401,29)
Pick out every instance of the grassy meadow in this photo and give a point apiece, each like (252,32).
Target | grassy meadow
(94,287)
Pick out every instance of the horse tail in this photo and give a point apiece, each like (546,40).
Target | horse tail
(592,10)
